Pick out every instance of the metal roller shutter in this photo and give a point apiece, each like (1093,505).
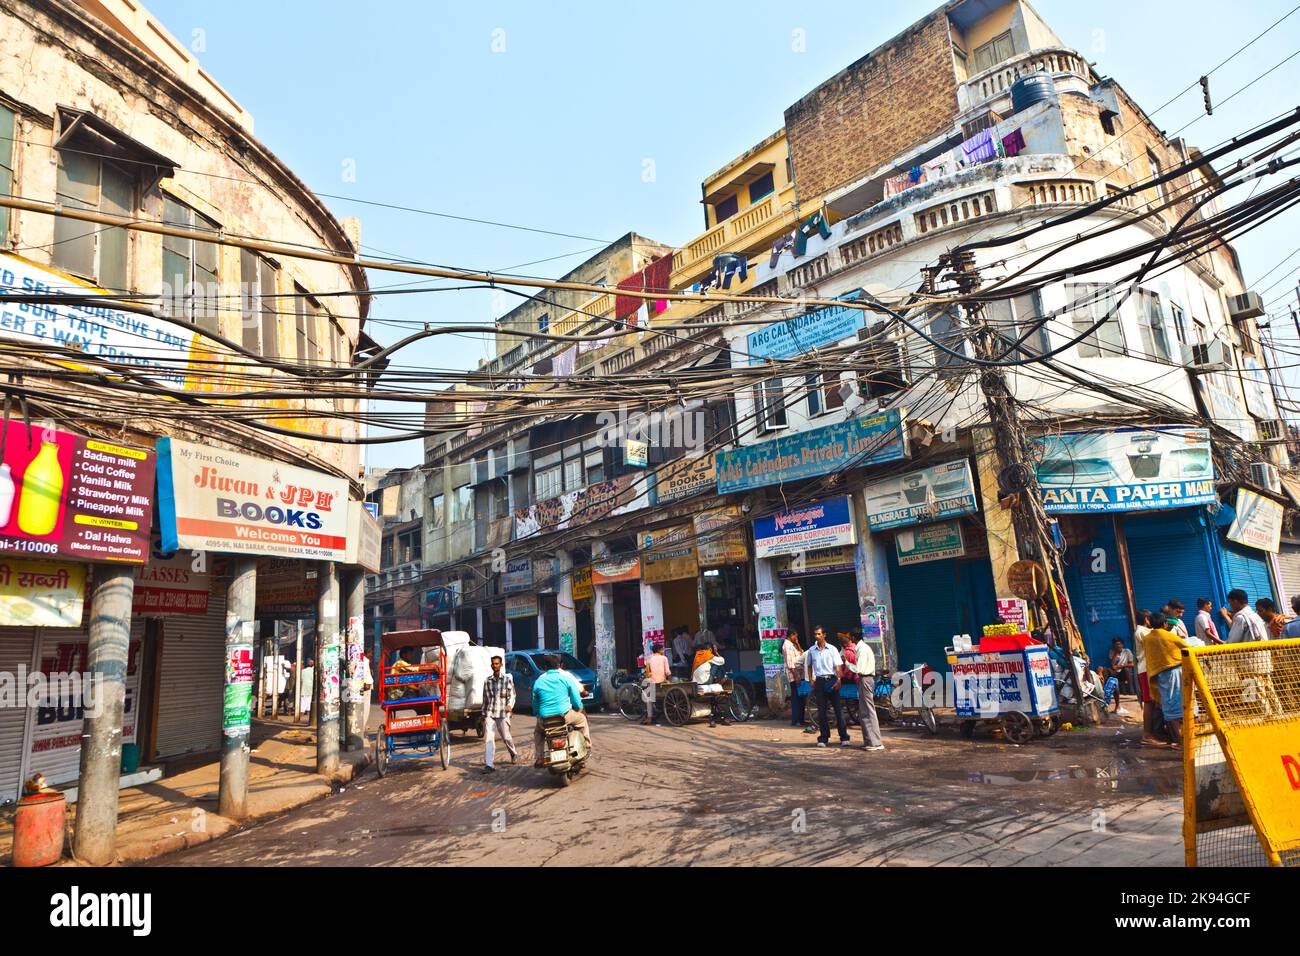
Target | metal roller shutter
(191,680)
(1247,568)
(16,645)
(832,602)
(1288,561)
(1168,559)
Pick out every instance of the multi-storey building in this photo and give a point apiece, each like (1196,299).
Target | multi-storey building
(833,466)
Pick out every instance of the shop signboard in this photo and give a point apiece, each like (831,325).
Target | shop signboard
(823,561)
(582,588)
(1258,389)
(988,684)
(520,606)
(443,599)
(364,537)
(1014,611)
(177,584)
(637,453)
(67,496)
(284,589)
(210,499)
(613,570)
(576,508)
(685,477)
(1258,522)
(1126,469)
(668,554)
(518,576)
(803,333)
(546,574)
(153,347)
(41,593)
(822,524)
(720,537)
(855,443)
(929,542)
(929,494)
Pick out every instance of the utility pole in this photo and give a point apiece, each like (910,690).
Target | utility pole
(354,702)
(1028,518)
(327,669)
(232,780)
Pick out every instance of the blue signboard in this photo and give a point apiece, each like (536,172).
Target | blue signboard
(803,333)
(1126,469)
(822,524)
(820,451)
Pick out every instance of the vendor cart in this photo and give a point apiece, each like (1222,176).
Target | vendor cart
(1007,681)
(413,699)
(680,701)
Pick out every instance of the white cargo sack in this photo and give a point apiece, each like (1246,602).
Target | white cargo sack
(468,668)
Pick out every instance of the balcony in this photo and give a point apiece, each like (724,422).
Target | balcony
(1068,69)
(756,227)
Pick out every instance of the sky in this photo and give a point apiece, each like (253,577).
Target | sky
(596,119)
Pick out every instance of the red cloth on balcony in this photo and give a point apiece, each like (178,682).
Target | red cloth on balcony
(625,305)
(657,276)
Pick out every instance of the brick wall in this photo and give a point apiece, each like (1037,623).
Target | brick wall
(895,97)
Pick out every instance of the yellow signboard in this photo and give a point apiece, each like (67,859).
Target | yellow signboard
(582,589)
(669,554)
(41,593)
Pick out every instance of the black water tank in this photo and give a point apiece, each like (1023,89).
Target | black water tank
(1030,89)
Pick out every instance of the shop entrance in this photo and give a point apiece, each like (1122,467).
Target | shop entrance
(1169,558)
(584,639)
(829,601)
(726,596)
(523,631)
(627,624)
(934,600)
(681,605)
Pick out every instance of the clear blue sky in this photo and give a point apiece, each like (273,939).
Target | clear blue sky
(553,130)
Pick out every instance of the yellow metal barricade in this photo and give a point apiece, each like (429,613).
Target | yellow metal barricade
(1241,756)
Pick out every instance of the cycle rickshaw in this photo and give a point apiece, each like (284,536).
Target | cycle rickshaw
(413,699)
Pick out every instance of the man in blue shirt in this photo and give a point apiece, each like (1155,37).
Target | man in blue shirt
(555,692)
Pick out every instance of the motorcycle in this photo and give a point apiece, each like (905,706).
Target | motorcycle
(565,750)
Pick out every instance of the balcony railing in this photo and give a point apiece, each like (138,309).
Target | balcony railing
(995,82)
(755,226)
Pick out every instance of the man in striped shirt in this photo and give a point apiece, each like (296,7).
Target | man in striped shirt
(498,704)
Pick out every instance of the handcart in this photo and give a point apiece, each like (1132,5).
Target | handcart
(413,698)
(683,701)
(1006,680)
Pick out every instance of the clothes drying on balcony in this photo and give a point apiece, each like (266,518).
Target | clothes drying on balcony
(814,223)
(625,305)
(980,148)
(1013,143)
(784,243)
(658,279)
(727,265)
(564,362)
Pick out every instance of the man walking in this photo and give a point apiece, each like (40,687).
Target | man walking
(498,705)
(822,663)
(864,667)
(657,672)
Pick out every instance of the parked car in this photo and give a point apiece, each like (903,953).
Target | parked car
(527,666)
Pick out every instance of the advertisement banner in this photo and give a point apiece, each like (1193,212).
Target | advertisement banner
(41,593)
(153,347)
(364,537)
(852,444)
(613,570)
(178,584)
(1126,469)
(520,606)
(1014,611)
(825,561)
(287,589)
(518,576)
(803,333)
(669,554)
(210,499)
(237,702)
(575,508)
(822,524)
(720,537)
(66,496)
(929,542)
(1258,522)
(582,587)
(929,494)
(685,477)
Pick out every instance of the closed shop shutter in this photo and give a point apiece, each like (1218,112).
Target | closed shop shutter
(523,634)
(191,681)
(1288,561)
(1168,559)
(832,602)
(1247,568)
(15,651)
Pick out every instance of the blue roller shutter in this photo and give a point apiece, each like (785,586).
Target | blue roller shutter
(934,600)
(832,602)
(1247,568)
(1169,559)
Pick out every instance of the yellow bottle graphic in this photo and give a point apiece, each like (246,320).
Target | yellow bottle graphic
(42,494)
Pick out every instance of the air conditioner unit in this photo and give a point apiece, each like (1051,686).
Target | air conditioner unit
(1263,474)
(1272,430)
(1207,356)
(1248,305)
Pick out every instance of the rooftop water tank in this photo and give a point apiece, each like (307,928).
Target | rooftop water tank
(1030,89)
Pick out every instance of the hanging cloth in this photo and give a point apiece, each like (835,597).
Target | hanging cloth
(625,305)
(657,279)
(814,223)
(1013,143)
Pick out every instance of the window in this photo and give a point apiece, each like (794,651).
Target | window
(437,515)
(6,166)
(190,268)
(1090,303)
(1180,323)
(306,321)
(1156,173)
(815,405)
(595,473)
(257,303)
(1108,125)
(573,474)
(87,249)
(725,209)
(1019,316)
(548,483)
(462,505)
(760,187)
(500,500)
(769,405)
(997,50)
(1151,325)
(544,322)
(944,329)
(831,390)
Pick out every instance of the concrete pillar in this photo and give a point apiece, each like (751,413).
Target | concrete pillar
(565,611)
(871,569)
(652,616)
(478,620)
(95,838)
(241,595)
(702,597)
(602,614)
(297,673)
(510,635)
(997,520)
(327,668)
(354,700)
(769,592)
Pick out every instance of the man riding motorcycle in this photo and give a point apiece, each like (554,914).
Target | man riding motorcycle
(556,692)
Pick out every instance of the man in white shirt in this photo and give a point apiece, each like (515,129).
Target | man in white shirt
(682,648)
(864,665)
(822,666)
(1246,624)
(703,678)
(1205,629)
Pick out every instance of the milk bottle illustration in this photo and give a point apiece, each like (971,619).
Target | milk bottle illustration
(42,492)
(6,495)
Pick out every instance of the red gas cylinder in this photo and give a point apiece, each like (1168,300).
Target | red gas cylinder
(38,829)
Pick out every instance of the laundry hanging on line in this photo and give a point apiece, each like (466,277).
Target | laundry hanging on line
(729,264)
(1013,143)
(980,148)
(657,279)
(814,223)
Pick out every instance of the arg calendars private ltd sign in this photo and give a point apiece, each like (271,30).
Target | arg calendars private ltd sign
(210,499)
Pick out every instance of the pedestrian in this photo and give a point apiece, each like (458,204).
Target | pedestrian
(1205,629)
(1271,616)
(864,671)
(681,647)
(1165,666)
(657,671)
(306,683)
(498,705)
(1292,627)
(1245,624)
(792,654)
(1146,689)
(822,665)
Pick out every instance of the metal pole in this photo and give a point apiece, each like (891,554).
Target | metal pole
(297,675)
(232,784)
(95,838)
(327,666)
(354,708)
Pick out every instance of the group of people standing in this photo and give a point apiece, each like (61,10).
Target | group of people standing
(825,669)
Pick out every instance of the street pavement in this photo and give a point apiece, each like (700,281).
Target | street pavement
(758,793)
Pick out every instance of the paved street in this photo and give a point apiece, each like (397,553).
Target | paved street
(739,795)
